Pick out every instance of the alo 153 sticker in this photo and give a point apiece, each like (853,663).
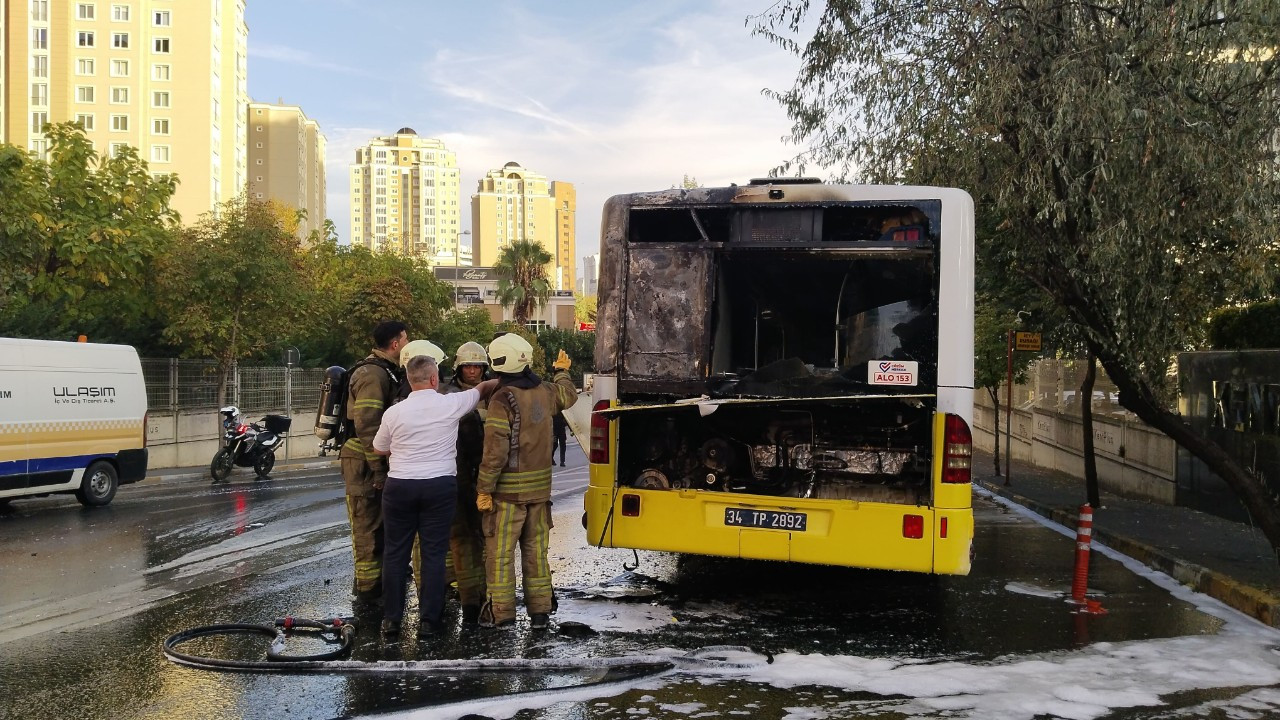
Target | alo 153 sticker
(892,372)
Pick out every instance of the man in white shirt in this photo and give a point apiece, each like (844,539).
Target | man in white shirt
(420,433)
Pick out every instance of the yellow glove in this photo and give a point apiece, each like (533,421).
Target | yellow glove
(562,361)
(484,502)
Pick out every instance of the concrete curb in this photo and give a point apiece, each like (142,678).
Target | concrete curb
(1254,602)
(203,473)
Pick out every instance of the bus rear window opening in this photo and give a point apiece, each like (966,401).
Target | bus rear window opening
(785,326)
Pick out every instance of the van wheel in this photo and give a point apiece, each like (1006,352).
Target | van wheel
(99,484)
(264,463)
(220,468)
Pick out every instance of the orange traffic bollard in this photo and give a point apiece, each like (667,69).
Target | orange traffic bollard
(1080,583)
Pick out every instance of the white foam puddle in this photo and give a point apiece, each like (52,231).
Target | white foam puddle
(1021,588)
(1083,684)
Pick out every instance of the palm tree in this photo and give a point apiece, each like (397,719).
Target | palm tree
(522,278)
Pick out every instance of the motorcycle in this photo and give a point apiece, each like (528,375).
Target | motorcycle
(248,444)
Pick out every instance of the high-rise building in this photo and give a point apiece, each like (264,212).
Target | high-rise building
(404,197)
(565,200)
(589,283)
(512,204)
(166,77)
(286,161)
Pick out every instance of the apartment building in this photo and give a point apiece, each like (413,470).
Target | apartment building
(513,204)
(404,197)
(287,162)
(565,204)
(139,73)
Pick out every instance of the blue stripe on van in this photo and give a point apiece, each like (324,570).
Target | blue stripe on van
(13,467)
(41,465)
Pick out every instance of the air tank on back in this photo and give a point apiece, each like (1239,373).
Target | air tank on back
(327,414)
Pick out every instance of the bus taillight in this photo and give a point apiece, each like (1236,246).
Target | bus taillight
(957,451)
(599,434)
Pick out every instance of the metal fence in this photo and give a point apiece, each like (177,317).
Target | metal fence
(1054,384)
(174,385)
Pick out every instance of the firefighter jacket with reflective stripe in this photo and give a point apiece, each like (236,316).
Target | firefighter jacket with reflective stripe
(470,437)
(517,440)
(372,388)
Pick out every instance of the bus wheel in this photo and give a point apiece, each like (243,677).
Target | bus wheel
(99,484)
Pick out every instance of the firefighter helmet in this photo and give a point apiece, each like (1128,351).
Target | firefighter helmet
(471,353)
(510,354)
(421,347)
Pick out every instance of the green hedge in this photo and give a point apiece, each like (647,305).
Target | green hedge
(1248,328)
(581,347)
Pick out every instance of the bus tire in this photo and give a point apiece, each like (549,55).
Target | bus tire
(99,484)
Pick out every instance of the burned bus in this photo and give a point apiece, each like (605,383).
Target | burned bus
(784,371)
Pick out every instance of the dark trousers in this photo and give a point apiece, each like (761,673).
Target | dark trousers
(422,508)
(558,440)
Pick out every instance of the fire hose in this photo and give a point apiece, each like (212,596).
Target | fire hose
(342,632)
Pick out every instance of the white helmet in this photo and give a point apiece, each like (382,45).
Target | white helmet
(510,353)
(421,347)
(471,353)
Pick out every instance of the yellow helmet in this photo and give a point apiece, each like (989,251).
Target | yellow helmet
(510,353)
(471,353)
(421,347)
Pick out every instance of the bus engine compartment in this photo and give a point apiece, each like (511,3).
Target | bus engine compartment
(869,448)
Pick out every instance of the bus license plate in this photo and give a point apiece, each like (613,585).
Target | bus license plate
(772,519)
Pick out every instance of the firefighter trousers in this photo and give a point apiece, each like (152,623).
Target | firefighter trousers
(466,546)
(529,526)
(364,512)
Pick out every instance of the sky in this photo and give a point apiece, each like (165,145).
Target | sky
(612,97)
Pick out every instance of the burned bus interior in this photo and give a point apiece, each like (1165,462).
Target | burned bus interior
(777,312)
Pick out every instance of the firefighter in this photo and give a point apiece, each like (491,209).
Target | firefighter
(411,350)
(372,387)
(513,487)
(466,538)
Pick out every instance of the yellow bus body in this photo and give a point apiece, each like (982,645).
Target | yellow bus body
(840,532)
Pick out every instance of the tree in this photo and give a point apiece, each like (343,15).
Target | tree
(522,278)
(584,308)
(688,183)
(461,326)
(579,346)
(991,326)
(1246,328)
(1126,148)
(353,289)
(232,286)
(77,236)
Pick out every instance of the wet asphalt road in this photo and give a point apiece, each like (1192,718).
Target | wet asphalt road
(88,596)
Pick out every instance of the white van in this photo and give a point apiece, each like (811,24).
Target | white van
(72,419)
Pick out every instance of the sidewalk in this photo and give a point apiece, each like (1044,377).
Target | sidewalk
(201,472)
(1223,559)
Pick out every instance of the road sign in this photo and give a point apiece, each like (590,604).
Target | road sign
(1026,341)
(586,326)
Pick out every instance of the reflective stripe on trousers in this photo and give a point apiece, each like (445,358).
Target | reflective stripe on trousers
(528,525)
